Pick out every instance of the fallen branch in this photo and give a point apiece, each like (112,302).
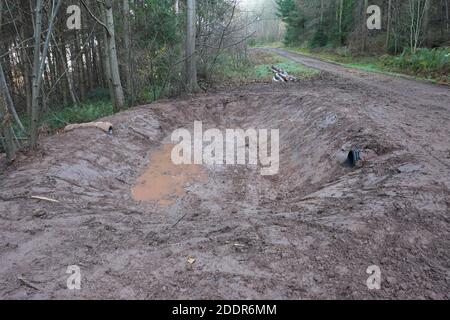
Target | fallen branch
(178,221)
(27,283)
(44,199)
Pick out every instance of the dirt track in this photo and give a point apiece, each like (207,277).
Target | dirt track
(309,232)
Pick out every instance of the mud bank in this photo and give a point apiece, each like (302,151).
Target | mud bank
(309,232)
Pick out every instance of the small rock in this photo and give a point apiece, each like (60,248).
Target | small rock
(408,168)
(391,280)
(38,213)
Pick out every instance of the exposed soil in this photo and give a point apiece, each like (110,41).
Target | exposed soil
(309,232)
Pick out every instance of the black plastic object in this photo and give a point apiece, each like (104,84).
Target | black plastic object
(353,157)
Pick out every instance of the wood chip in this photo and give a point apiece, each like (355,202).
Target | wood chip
(190,260)
(239,245)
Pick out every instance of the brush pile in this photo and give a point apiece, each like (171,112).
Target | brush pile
(281,76)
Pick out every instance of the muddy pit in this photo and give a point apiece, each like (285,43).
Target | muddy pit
(163,181)
(132,220)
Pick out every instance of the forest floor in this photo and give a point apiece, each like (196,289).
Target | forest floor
(227,232)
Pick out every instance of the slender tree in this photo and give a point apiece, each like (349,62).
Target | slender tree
(388,30)
(191,59)
(127,45)
(119,99)
(39,63)
(6,130)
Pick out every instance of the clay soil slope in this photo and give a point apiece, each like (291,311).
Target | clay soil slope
(226,231)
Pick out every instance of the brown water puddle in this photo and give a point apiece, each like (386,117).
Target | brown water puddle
(164,181)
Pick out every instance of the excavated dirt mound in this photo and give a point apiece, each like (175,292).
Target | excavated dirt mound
(309,232)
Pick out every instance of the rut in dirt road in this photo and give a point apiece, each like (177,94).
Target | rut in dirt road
(309,232)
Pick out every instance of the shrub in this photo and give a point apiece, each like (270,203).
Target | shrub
(88,112)
(429,63)
(319,39)
(344,52)
(98,94)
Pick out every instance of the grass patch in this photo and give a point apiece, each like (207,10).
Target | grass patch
(257,67)
(228,70)
(263,71)
(263,62)
(58,118)
(432,64)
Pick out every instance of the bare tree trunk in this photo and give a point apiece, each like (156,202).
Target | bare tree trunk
(3,85)
(388,31)
(8,100)
(63,59)
(447,9)
(363,25)
(38,66)
(107,66)
(79,66)
(25,63)
(100,62)
(6,131)
(417,11)
(321,12)
(97,79)
(341,13)
(27,84)
(52,72)
(191,63)
(63,84)
(113,61)
(127,45)
(89,65)
(36,73)
(426,21)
